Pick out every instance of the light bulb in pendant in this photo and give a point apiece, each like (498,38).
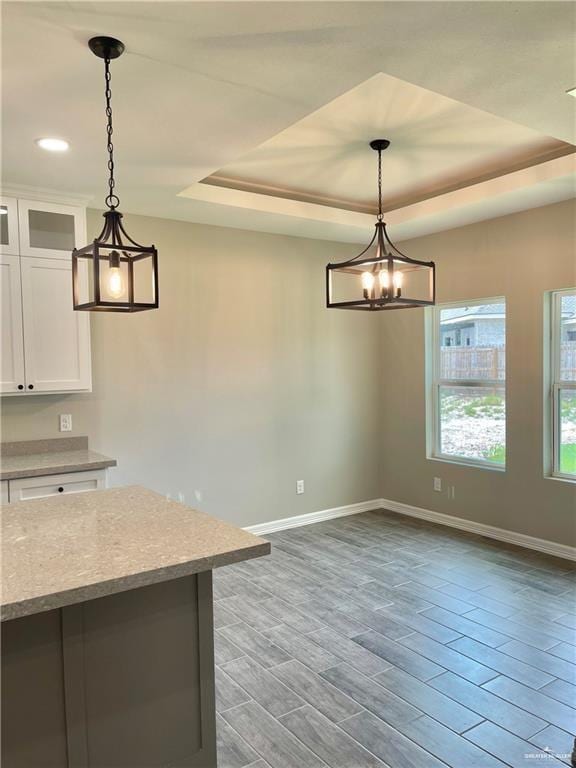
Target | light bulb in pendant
(384,278)
(115,281)
(398,280)
(367,284)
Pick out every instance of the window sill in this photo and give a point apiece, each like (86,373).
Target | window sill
(470,464)
(561,479)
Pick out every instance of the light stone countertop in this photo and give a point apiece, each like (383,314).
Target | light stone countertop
(38,464)
(67,549)
(34,458)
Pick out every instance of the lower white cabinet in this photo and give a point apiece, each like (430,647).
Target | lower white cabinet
(45,343)
(27,488)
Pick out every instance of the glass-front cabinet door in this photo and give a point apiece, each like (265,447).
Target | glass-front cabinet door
(50,229)
(9,226)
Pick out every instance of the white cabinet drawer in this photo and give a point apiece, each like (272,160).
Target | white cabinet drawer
(56,485)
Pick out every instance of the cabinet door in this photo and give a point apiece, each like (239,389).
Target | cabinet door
(9,226)
(56,338)
(11,340)
(50,230)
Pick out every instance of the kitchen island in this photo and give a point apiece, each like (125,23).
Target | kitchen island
(107,630)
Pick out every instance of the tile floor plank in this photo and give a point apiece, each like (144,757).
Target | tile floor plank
(233,751)
(387,743)
(398,655)
(290,615)
(302,648)
(555,741)
(557,713)
(350,651)
(490,706)
(448,658)
(263,687)
(269,738)
(254,644)
(331,702)
(501,662)
(511,628)
(466,627)
(330,743)
(228,694)
(454,750)
(513,751)
(370,695)
(543,660)
(430,700)
(561,691)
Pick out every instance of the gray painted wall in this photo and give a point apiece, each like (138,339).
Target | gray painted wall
(240,384)
(520,257)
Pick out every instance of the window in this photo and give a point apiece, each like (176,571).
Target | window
(563,383)
(467,383)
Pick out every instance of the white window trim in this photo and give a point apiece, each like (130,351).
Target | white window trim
(435,383)
(556,385)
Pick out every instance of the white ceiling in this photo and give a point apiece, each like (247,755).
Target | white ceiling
(205,88)
(437,144)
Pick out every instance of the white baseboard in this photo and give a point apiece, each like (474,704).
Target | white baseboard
(491,531)
(314,517)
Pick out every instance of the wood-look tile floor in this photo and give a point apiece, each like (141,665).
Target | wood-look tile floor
(379,640)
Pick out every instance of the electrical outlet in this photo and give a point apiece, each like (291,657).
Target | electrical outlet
(437,483)
(65,422)
(180,497)
(299,486)
(198,495)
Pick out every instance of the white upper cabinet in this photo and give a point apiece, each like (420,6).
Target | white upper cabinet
(56,338)
(9,225)
(50,230)
(45,344)
(12,377)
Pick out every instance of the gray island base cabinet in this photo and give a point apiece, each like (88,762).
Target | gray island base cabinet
(125,680)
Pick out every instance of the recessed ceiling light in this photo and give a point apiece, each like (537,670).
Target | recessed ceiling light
(53,145)
(572,92)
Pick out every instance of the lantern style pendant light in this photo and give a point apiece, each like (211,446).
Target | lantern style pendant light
(381,278)
(114,273)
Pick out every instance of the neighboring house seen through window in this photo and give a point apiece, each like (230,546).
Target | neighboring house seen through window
(563,383)
(467,377)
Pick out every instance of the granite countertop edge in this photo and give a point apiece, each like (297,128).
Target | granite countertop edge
(81,465)
(61,599)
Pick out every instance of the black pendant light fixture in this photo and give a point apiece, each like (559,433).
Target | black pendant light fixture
(114,273)
(382,278)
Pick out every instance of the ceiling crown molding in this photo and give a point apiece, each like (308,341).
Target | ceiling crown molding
(45,195)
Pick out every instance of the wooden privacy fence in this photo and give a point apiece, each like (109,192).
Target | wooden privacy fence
(568,361)
(472,362)
(489,362)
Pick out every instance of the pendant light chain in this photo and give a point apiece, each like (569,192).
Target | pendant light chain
(380,215)
(112,200)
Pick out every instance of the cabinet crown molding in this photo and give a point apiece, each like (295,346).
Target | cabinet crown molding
(44,195)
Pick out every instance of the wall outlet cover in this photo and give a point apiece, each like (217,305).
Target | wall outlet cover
(65,422)
(299,486)
(437,483)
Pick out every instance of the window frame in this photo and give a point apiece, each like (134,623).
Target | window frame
(436,383)
(556,383)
